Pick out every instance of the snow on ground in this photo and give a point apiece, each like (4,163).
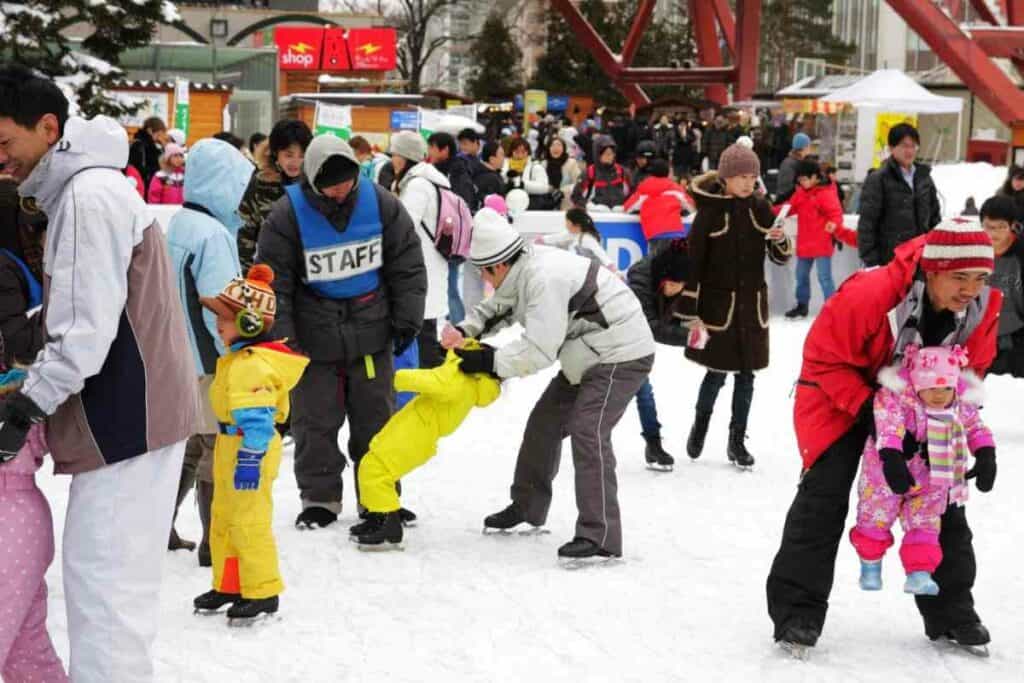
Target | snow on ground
(686,605)
(957,182)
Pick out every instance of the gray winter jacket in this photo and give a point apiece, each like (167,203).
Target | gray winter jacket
(343,330)
(572,310)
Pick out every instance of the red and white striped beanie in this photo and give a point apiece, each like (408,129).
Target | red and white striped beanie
(958,244)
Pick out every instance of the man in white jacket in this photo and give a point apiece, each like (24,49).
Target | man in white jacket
(576,312)
(115,382)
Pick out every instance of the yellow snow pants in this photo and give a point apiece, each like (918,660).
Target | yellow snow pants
(388,460)
(242,542)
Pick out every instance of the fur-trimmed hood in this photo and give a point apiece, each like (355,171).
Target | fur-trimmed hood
(970,388)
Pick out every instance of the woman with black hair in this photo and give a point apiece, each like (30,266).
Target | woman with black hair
(279,162)
(580,237)
(1013,188)
(563,173)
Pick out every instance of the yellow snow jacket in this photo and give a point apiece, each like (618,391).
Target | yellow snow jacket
(445,396)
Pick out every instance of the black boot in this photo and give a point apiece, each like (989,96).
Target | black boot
(185,484)
(506,520)
(799,311)
(211,601)
(656,456)
(245,612)
(973,635)
(698,433)
(383,531)
(204,494)
(408,517)
(315,516)
(579,548)
(738,453)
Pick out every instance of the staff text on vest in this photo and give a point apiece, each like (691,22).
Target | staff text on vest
(342,261)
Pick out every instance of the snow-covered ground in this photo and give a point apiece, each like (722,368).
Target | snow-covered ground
(957,182)
(687,604)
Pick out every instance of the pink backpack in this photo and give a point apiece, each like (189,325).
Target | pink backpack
(454,228)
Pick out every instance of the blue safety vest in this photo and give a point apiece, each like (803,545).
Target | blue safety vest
(35,290)
(341,265)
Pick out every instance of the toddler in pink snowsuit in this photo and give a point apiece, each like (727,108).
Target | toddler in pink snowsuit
(929,398)
(26,550)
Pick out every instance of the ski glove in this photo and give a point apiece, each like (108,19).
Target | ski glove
(894,467)
(247,470)
(403,337)
(475,361)
(984,469)
(17,414)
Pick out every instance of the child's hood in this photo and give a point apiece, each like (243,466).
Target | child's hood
(287,363)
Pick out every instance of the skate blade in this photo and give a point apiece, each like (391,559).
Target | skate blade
(516,531)
(659,468)
(379,547)
(211,612)
(973,650)
(250,622)
(796,650)
(743,468)
(577,563)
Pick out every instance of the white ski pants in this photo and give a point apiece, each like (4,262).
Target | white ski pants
(115,539)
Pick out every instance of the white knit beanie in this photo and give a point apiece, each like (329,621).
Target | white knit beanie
(409,145)
(494,239)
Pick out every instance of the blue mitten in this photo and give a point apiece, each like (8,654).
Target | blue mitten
(247,470)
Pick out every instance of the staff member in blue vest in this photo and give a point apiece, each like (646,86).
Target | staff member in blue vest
(351,287)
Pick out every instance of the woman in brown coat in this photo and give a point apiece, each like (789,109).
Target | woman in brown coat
(726,296)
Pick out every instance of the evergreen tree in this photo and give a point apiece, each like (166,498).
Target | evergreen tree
(34,33)
(496,60)
(797,28)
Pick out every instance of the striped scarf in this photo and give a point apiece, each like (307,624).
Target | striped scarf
(947,450)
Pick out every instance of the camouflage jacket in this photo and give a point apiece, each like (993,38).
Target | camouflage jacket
(254,209)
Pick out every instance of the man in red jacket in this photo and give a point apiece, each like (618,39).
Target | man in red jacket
(935,292)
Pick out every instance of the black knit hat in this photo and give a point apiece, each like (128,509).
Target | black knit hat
(671,264)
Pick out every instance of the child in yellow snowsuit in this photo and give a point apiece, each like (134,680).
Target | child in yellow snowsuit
(445,395)
(249,395)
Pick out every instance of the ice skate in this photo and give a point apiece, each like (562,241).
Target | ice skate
(798,312)
(408,517)
(246,613)
(737,453)
(870,575)
(657,458)
(510,521)
(698,433)
(315,517)
(580,553)
(211,602)
(971,638)
(920,583)
(381,531)
(798,641)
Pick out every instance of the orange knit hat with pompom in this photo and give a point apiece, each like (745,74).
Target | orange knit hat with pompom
(253,292)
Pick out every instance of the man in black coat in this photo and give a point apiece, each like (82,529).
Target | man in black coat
(442,153)
(488,178)
(899,200)
(350,293)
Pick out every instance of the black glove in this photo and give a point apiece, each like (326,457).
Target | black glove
(911,446)
(17,414)
(897,474)
(479,360)
(866,416)
(402,338)
(984,469)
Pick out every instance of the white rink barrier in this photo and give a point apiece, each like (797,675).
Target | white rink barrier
(625,244)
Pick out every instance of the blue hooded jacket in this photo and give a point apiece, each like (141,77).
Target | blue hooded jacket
(202,239)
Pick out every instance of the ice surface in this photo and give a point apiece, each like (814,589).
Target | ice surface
(686,605)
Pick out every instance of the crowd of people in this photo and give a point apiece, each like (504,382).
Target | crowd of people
(304,283)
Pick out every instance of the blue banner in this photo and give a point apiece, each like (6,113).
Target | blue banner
(403,119)
(558,102)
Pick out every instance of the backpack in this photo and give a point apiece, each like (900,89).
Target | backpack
(454,229)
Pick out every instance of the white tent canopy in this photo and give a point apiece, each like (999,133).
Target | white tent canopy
(893,90)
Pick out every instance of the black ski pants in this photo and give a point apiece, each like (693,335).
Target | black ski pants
(802,573)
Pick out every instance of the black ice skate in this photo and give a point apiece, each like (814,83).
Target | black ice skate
(250,612)
(657,458)
(798,641)
(408,517)
(971,638)
(211,602)
(315,517)
(698,433)
(738,453)
(511,520)
(382,531)
(582,552)
(799,312)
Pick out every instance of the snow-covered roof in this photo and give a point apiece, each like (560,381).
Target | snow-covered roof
(894,90)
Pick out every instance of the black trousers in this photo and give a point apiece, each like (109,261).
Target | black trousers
(802,573)
(431,353)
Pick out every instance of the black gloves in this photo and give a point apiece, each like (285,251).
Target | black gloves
(897,474)
(984,469)
(866,416)
(402,338)
(481,360)
(17,414)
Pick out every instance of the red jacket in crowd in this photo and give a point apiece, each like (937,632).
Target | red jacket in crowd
(814,208)
(851,340)
(136,178)
(660,203)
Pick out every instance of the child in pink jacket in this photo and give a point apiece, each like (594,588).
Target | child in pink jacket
(932,401)
(168,185)
(26,548)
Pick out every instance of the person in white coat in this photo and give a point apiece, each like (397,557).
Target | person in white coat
(417,183)
(522,172)
(115,382)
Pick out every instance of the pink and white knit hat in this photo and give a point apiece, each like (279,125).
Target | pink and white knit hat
(958,244)
(934,367)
